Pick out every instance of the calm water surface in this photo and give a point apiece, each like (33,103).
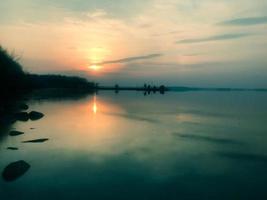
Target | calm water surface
(192,145)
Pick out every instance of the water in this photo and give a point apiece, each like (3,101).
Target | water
(192,145)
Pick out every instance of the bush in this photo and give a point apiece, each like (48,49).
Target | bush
(13,78)
(11,73)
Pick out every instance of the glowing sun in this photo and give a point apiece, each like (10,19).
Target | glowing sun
(95,67)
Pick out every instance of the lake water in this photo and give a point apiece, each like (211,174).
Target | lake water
(191,145)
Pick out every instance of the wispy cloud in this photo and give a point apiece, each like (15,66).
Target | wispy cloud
(249,21)
(129,59)
(214,38)
(166,33)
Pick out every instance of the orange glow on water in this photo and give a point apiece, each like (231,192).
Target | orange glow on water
(94,106)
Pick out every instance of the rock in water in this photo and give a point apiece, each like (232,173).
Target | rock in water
(33,115)
(22,116)
(36,141)
(12,148)
(15,170)
(15,133)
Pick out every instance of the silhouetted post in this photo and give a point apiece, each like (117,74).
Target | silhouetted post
(96,86)
(162,89)
(145,86)
(154,89)
(148,88)
(116,88)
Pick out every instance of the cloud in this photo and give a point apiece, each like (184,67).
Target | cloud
(165,33)
(230,36)
(56,11)
(249,21)
(129,59)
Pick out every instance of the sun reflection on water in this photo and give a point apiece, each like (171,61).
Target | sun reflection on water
(95,105)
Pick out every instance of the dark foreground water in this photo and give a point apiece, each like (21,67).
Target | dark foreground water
(193,145)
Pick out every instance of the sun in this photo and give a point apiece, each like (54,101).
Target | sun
(96,56)
(95,67)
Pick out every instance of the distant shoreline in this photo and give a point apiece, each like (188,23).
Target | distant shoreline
(222,89)
(177,89)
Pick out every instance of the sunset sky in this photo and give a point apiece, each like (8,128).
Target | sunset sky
(174,42)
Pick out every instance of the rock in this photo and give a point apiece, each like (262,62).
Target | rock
(36,141)
(33,115)
(15,170)
(23,106)
(12,148)
(22,116)
(15,133)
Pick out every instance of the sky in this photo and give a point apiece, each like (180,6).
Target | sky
(206,43)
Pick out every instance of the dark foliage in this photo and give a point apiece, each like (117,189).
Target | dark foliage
(56,81)
(11,73)
(13,79)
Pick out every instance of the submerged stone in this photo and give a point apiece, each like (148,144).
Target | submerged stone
(33,115)
(22,116)
(36,141)
(15,133)
(15,170)
(12,148)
